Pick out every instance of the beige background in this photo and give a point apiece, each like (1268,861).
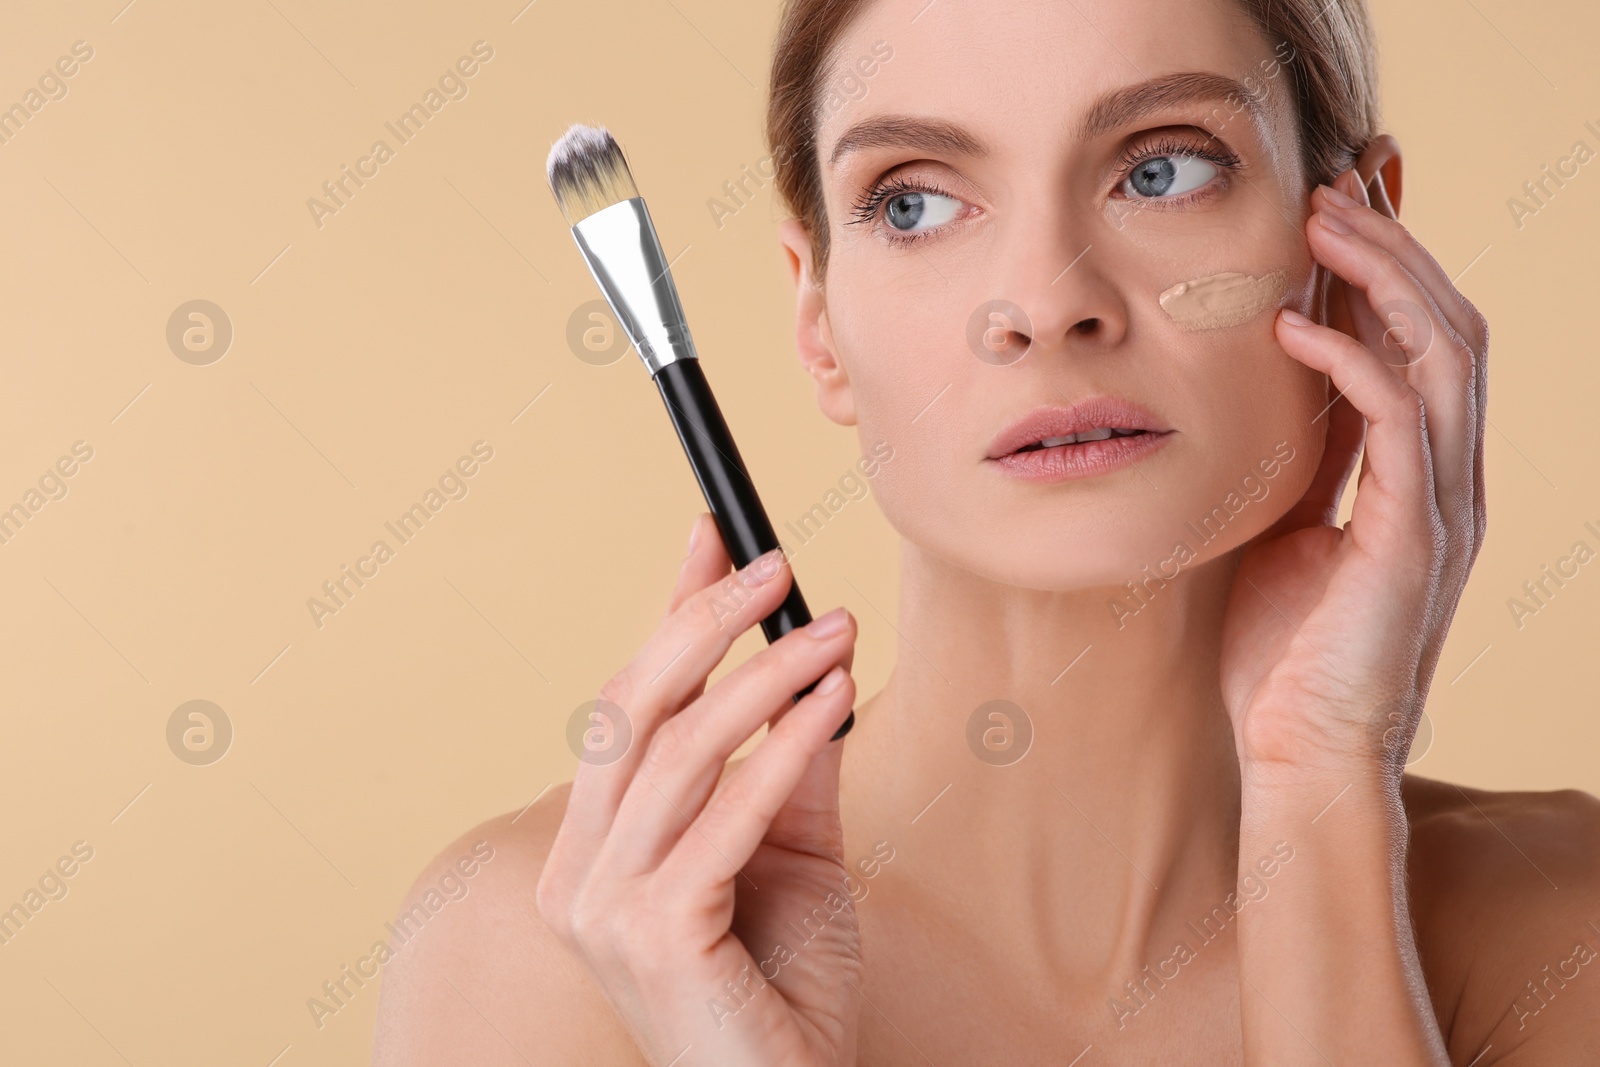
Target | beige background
(370,353)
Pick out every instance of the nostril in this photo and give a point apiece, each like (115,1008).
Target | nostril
(1088,326)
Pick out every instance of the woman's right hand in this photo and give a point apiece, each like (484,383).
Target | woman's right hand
(690,908)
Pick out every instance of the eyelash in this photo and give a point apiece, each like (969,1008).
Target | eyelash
(866,207)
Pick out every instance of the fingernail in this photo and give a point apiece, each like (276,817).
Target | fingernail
(1337,225)
(827,625)
(694,537)
(830,681)
(1336,197)
(762,569)
(1294,318)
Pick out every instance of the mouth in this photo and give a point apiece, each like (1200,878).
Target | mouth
(1103,433)
(1082,426)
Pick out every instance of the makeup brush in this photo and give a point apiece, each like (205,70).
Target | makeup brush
(595,191)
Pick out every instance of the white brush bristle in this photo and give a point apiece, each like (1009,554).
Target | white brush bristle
(587,172)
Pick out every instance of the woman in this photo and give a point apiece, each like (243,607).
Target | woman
(1134,791)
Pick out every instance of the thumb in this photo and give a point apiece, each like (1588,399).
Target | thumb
(809,821)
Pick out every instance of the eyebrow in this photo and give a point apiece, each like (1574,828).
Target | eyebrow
(1111,111)
(1127,105)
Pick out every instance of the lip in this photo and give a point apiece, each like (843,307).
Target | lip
(1056,421)
(1065,462)
(1085,460)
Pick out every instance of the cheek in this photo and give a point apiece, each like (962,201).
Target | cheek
(1247,399)
(1290,401)
(1284,398)
(901,350)
(1303,424)
(911,378)
(1255,410)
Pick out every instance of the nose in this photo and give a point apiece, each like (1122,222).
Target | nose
(1055,288)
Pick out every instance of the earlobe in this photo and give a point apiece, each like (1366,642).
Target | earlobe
(813,333)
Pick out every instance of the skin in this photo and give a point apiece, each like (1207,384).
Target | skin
(1238,739)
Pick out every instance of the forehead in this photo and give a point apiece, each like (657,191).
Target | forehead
(1028,72)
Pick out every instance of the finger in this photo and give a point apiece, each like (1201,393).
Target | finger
(848,662)
(1377,223)
(817,793)
(812,812)
(1437,366)
(1375,219)
(1470,323)
(706,562)
(1399,317)
(1396,487)
(759,795)
(669,668)
(688,753)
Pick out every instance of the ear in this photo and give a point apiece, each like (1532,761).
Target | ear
(1379,167)
(812,333)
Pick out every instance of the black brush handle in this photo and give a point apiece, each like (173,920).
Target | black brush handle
(743,522)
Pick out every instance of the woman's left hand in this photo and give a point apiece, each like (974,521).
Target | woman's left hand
(1332,635)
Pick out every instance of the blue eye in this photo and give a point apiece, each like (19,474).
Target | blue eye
(905,210)
(1168,175)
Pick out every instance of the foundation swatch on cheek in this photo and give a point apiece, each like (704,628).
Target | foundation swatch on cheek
(1221,300)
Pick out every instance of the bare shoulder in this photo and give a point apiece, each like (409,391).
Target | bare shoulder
(476,976)
(1505,898)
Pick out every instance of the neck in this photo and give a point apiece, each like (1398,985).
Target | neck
(1117,822)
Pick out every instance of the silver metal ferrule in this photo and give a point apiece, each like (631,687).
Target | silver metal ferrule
(620,245)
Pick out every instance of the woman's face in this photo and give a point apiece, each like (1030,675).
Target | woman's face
(1015,160)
